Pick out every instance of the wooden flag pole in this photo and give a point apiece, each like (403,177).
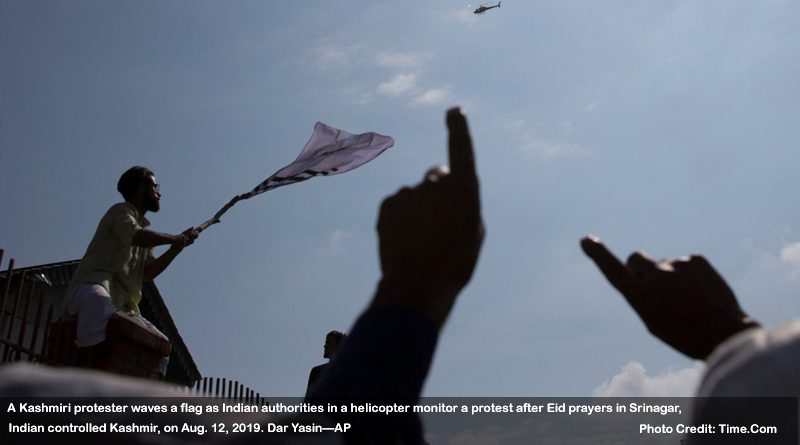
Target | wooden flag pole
(218,215)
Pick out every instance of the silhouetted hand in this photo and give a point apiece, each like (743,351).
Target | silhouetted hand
(684,302)
(430,235)
(191,233)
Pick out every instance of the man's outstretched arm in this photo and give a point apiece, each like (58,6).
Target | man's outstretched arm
(430,236)
(160,264)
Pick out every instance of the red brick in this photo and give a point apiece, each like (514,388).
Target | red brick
(130,349)
(119,325)
(118,346)
(148,360)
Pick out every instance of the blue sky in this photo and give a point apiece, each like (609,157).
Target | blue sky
(667,126)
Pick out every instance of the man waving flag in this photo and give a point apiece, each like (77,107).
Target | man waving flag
(330,151)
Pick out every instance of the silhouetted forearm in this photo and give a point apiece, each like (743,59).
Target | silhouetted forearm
(149,238)
(154,269)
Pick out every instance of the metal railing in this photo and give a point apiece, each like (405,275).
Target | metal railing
(26,322)
(222,388)
(24,335)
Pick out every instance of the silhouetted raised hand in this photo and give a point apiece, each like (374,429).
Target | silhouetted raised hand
(684,302)
(431,234)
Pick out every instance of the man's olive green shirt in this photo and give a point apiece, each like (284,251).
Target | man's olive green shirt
(112,261)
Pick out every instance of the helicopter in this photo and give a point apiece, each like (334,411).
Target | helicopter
(485,8)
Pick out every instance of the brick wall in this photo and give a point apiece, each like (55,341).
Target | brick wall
(129,349)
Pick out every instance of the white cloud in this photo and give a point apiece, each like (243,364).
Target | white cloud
(790,256)
(330,56)
(431,97)
(407,67)
(769,268)
(633,381)
(402,83)
(767,285)
(549,149)
(589,108)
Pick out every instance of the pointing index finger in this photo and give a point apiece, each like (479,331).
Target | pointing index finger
(462,157)
(616,272)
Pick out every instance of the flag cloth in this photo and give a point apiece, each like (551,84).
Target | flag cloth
(330,151)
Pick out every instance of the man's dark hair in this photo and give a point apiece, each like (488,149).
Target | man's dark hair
(130,180)
(338,336)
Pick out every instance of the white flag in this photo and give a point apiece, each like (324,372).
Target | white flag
(330,151)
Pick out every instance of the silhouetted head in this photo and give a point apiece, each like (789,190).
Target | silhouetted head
(139,187)
(332,342)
